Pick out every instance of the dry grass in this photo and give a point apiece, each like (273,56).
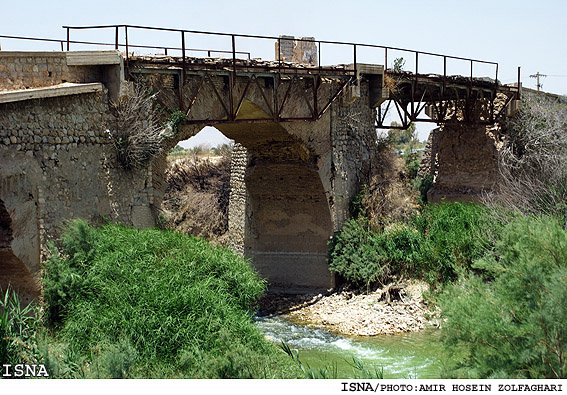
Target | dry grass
(389,195)
(197,197)
(390,83)
(135,128)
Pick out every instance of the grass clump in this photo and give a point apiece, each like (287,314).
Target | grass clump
(151,303)
(18,326)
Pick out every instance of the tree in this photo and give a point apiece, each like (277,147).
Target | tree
(399,64)
(400,138)
(511,323)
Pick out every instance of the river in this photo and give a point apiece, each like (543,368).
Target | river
(407,355)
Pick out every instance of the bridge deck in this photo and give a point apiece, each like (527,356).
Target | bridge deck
(409,93)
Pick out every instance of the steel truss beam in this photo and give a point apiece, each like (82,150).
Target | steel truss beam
(280,87)
(449,103)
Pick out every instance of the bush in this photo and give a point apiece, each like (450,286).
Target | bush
(143,302)
(533,175)
(438,245)
(456,234)
(357,255)
(514,325)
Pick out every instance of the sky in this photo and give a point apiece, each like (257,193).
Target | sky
(512,33)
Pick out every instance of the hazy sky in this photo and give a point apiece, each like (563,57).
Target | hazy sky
(513,33)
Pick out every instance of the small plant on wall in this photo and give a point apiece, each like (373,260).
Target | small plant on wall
(135,128)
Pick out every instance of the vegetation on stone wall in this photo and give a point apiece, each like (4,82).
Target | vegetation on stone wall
(135,128)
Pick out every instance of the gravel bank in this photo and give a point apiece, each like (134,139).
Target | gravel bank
(353,314)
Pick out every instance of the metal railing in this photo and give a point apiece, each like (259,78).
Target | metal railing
(233,50)
(66,44)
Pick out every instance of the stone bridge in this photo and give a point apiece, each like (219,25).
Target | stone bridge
(305,142)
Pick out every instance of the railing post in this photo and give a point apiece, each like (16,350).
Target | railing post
(233,82)
(319,55)
(67,39)
(444,72)
(127,56)
(183,49)
(385,60)
(496,76)
(116,39)
(416,63)
(519,93)
(355,61)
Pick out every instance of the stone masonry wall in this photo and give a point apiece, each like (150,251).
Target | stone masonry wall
(353,139)
(22,70)
(465,161)
(238,201)
(57,163)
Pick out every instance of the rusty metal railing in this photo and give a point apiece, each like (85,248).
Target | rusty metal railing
(166,49)
(355,47)
(233,52)
(349,67)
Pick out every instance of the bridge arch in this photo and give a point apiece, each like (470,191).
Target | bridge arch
(13,272)
(279,214)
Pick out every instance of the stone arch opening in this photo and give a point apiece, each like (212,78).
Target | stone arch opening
(197,185)
(208,138)
(279,213)
(279,204)
(13,272)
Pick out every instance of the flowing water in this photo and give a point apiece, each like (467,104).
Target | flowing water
(407,355)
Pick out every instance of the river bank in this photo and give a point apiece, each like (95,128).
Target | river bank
(385,311)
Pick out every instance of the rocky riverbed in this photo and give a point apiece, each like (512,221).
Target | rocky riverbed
(390,310)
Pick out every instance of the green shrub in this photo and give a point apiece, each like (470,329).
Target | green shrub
(176,118)
(438,245)
(147,298)
(456,234)
(423,184)
(514,325)
(356,254)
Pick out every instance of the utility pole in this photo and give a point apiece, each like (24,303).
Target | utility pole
(536,76)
